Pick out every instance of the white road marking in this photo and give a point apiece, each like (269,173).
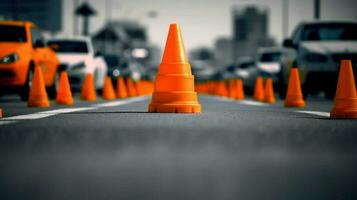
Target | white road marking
(252,103)
(120,102)
(49,113)
(245,102)
(317,113)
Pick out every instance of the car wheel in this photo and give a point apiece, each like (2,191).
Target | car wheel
(25,90)
(52,90)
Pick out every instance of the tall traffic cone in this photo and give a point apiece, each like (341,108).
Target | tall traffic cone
(38,95)
(64,94)
(108,89)
(269,96)
(174,90)
(88,92)
(131,87)
(345,104)
(121,88)
(1,113)
(259,89)
(294,96)
(240,90)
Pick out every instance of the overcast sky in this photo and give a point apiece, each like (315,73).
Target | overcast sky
(204,20)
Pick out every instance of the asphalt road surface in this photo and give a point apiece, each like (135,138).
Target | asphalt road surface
(232,150)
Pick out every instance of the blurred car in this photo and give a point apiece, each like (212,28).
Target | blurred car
(22,48)
(247,71)
(202,70)
(77,54)
(118,66)
(320,46)
(268,61)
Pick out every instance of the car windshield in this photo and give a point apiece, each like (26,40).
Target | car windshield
(330,32)
(10,33)
(115,62)
(246,65)
(69,46)
(270,57)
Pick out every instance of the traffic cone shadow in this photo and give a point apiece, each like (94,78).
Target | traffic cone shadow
(174,90)
(269,96)
(38,95)
(259,89)
(345,103)
(121,88)
(294,97)
(240,90)
(64,94)
(108,89)
(88,92)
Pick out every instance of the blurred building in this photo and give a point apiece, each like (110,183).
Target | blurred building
(47,14)
(250,31)
(223,51)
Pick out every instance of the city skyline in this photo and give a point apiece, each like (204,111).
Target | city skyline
(197,20)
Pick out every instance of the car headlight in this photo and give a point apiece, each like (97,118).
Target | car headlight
(116,72)
(11,58)
(78,66)
(315,57)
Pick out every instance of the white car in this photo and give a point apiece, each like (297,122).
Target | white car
(269,61)
(320,46)
(77,54)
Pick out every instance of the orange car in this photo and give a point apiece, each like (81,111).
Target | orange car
(21,49)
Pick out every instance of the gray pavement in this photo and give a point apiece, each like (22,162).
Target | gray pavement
(230,151)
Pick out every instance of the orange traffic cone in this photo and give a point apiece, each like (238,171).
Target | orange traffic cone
(0,113)
(232,89)
(240,90)
(64,94)
(88,91)
(131,87)
(174,90)
(259,89)
(345,104)
(121,88)
(294,96)
(222,89)
(38,95)
(108,89)
(269,91)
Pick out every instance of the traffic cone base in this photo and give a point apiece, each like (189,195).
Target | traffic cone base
(174,90)
(269,92)
(294,96)
(64,94)
(121,89)
(108,89)
(88,92)
(259,89)
(240,90)
(38,95)
(295,103)
(345,103)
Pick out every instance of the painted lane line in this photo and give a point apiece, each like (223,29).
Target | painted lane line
(6,122)
(252,103)
(245,102)
(45,114)
(317,113)
(49,113)
(120,102)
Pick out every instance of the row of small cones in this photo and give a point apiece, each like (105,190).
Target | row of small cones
(38,96)
(345,103)
(233,89)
